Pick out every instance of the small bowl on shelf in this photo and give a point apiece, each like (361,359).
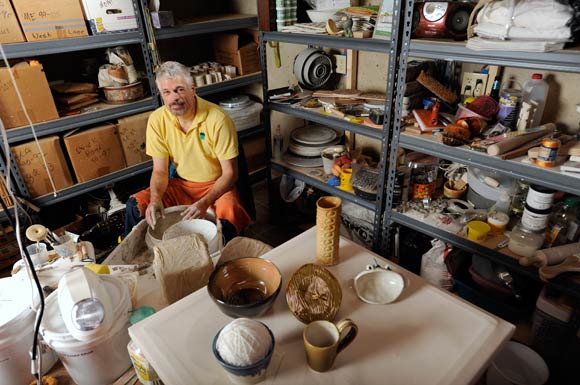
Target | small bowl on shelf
(245,287)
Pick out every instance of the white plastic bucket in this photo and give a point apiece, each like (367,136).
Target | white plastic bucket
(17,333)
(100,361)
(203,227)
(517,364)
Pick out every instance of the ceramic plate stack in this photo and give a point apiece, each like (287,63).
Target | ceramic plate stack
(307,143)
(244,112)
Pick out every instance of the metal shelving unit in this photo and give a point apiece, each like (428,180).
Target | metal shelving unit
(208,24)
(96,114)
(513,168)
(50,47)
(327,120)
(566,61)
(81,188)
(240,81)
(371,45)
(84,119)
(391,47)
(476,248)
(323,186)
(251,132)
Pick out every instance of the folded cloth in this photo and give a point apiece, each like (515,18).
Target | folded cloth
(539,14)
(528,20)
(482,44)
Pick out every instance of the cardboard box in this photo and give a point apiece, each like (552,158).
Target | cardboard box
(51,20)
(35,92)
(32,168)
(109,16)
(95,152)
(255,151)
(132,131)
(240,50)
(10,31)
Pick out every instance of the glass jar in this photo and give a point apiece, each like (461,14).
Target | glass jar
(525,242)
(423,174)
(518,202)
(563,216)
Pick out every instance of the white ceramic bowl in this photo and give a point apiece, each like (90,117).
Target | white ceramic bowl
(378,286)
(203,227)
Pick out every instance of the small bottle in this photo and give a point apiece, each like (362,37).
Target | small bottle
(278,144)
(495,89)
(143,369)
(562,217)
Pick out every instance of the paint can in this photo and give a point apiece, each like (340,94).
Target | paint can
(510,102)
(548,152)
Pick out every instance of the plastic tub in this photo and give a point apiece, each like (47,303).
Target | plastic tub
(517,364)
(482,195)
(99,361)
(205,228)
(17,333)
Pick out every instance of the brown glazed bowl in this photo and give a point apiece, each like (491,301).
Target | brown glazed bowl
(245,287)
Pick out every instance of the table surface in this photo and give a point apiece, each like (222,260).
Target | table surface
(427,336)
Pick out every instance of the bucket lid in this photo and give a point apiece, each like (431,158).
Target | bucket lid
(15,301)
(53,326)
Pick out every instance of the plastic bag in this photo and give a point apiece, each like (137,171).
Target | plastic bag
(433,267)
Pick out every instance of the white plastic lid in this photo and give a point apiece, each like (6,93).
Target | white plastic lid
(15,300)
(53,326)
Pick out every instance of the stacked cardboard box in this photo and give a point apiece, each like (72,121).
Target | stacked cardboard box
(95,152)
(29,160)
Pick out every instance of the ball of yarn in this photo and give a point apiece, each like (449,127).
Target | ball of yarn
(243,342)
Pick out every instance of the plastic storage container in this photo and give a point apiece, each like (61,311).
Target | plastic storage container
(17,333)
(98,361)
(143,369)
(423,174)
(516,364)
(481,194)
(535,92)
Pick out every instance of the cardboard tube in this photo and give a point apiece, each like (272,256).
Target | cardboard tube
(511,143)
(328,210)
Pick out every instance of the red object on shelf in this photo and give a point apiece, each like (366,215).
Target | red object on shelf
(485,106)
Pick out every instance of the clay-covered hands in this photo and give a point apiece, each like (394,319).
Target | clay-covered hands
(198,210)
(153,211)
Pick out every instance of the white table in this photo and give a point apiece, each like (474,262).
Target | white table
(428,336)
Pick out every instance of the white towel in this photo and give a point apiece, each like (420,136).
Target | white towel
(530,20)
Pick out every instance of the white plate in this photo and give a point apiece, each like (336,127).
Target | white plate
(378,286)
(301,161)
(314,135)
(309,150)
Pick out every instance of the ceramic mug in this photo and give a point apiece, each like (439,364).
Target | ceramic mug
(323,340)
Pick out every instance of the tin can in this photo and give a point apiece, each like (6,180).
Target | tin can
(548,152)
(510,102)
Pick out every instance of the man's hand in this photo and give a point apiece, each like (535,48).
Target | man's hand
(196,210)
(154,210)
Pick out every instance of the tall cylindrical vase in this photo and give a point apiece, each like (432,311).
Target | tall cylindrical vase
(328,211)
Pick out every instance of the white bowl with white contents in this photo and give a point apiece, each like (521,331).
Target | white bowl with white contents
(378,286)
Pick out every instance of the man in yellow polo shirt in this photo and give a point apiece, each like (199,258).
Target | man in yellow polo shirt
(200,139)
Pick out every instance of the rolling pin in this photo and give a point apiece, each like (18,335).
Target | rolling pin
(517,141)
(551,256)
